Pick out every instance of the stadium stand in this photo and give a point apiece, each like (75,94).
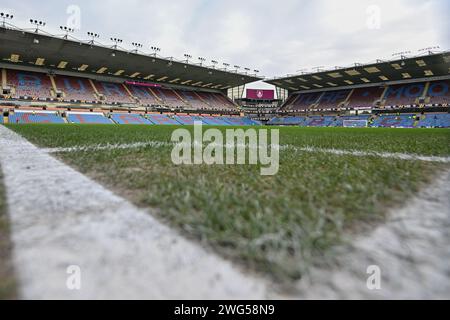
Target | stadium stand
(319,121)
(404,94)
(365,97)
(225,100)
(169,97)
(287,121)
(303,101)
(29,85)
(290,100)
(215,121)
(397,121)
(431,120)
(239,121)
(113,92)
(205,120)
(22,117)
(313,121)
(34,117)
(396,86)
(408,94)
(217,101)
(193,99)
(332,99)
(143,94)
(442,120)
(426,121)
(188,120)
(339,122)
(128,118)
(397,95)
(439,92)
(88,118)
(162,119)
(75,89)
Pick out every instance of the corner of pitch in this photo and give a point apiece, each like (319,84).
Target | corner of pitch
(232,147)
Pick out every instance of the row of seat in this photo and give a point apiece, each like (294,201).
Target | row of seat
(126,118)
(434,92)
(439,120)
(32,117)
(39,86)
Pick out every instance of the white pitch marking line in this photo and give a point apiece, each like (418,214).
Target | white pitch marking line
(160,144)
(411,250)
(357,153)
(60,218)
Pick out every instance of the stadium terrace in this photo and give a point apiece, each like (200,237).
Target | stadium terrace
(59,79)
(100,83)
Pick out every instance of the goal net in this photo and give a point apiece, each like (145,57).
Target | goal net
(356,123)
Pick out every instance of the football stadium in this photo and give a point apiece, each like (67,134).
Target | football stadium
(94,206)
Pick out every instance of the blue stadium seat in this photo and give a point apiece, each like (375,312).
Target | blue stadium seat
(162,119)
(240,121)
(442,120)
(188,120)
(397,121)
(318,121)
(76,89)
(289,121)
(209,120)
(88,118)
(427,121)
(34,117)
(439,120)
(114,92)
(127,118)
(215,121)
(30,84)
(404,94)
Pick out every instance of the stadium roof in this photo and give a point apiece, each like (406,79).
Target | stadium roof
(66,53)
(421,67)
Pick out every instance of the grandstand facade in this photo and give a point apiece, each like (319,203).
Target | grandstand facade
(49,79)
(22,85)
(424,94)
(408,93)
(27,116)
(66,80)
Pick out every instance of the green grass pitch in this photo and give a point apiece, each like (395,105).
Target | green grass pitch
(278,225)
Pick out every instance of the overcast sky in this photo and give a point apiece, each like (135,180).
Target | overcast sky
(276,37)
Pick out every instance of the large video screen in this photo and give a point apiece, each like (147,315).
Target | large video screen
(256,94)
